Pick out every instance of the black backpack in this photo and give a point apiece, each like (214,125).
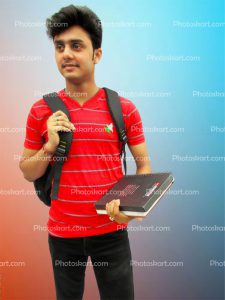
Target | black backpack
(43,184)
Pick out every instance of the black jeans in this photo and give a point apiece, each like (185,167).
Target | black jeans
(110,257)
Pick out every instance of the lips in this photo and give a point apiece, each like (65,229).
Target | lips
(70,65)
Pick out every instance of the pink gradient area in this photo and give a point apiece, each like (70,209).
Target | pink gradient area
(21,241)
(20,211)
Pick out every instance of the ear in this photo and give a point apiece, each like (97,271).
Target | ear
(97,55)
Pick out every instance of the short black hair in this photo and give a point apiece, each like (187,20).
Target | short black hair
(76,15)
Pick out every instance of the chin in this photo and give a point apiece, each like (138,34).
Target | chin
(74,79)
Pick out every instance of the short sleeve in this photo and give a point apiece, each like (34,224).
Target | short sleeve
(133,124)
(33,138)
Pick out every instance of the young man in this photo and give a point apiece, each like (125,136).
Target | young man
(75,230)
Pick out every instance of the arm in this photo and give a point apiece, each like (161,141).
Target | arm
(142,160)
(34,163)
(143,164)
(138,149)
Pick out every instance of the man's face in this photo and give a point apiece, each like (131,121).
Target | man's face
(74,54)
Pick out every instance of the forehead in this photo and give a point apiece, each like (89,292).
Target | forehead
(73,33)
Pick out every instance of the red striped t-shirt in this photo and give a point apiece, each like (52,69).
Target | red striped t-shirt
(93,165)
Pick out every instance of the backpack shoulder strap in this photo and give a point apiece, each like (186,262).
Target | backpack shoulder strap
(55,103)
(115,110)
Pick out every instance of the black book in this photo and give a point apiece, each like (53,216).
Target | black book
(138,194)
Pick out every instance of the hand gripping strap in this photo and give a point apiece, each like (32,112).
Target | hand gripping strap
(55,104)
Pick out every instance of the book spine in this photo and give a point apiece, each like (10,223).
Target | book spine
(160,191)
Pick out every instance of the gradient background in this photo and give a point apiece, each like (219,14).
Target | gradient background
(197,197)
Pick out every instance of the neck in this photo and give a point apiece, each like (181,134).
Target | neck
(81,92)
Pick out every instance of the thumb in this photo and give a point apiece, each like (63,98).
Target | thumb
(139,218)
(118,201)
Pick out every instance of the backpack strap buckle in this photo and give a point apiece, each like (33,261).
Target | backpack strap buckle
(123,136)
(61,149)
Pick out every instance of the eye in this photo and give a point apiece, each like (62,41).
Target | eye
(59,47)
(76,46)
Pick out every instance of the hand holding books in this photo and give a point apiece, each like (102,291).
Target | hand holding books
(137,194)
(112,209)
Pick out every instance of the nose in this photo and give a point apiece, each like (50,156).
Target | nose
(67,53)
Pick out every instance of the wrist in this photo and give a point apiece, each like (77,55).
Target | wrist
(130,218)
(48,149)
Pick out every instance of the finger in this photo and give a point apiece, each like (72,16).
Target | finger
(110,208)
(108,211)
(60,113)
(55,120)
(114,207)
(61,128)
(60,118)
(116,211)
(63,123)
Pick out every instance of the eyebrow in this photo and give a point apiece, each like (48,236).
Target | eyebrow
(69,41)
